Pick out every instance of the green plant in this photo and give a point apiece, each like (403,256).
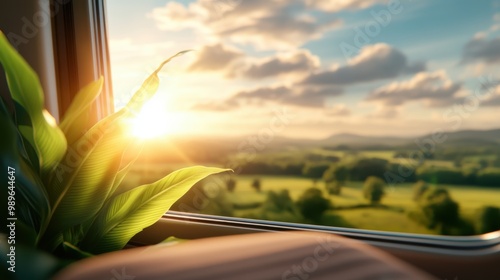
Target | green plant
(335,177)
(314,171)
(230,184)
(278,206)
(373,189)
(256,184)
(312,204)
(438,207)
(333,187)
(487,219)
(279,201)
(336,172)
(67,178)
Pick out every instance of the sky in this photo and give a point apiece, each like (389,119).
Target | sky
(369,67)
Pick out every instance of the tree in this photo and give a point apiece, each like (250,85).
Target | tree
(438,208)
(488,177)
(419,189)
(482,163)
(314,171)
(334,187)
(278,206)
(441,175)
(400,173)
(312,204)
(487,219)
(279,202)
(293,169)
(373,189)
(336,173)
(363,168)
(256,184)
(438,211)
(230,184)
(335,177)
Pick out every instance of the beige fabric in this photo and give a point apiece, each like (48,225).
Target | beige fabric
(291,256)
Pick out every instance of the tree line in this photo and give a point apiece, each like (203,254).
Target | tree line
(359,169)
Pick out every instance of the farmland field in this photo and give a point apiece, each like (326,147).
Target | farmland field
(461,180)
(399,197)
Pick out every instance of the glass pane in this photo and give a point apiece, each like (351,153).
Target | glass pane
(367,114)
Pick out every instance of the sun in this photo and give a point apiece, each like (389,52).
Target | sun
(154,121)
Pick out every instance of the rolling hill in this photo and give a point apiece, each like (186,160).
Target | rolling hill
(458,138)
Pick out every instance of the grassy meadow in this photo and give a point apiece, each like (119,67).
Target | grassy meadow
(397,198)
(469,174)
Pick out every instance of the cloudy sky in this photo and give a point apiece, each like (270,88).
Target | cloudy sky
(371,67)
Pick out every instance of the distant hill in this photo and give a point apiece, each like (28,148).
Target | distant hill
(493,135)
(458,138)
(360,140)
(216,148)
(471,137)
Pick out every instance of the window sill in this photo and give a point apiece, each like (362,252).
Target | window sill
(443,256)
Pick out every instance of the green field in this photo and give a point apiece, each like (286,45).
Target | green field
(350,208)
(470,198)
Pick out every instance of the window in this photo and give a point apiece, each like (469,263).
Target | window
(77,39)
(374,115)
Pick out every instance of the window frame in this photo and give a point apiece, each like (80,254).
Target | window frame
(435,254)
(456,245)
(34,42)
(470,257)
(79,34)
(91,45)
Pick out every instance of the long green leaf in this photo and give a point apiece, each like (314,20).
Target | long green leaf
(86,184)
(74,122)
(87,176)
(32,206)
(84,178)
(149,87)
(129,158)
(132,211)
(27,150)
(25,88)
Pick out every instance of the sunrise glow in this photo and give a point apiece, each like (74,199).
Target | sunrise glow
(154,121)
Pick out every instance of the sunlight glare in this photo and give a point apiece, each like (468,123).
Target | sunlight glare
(154,121)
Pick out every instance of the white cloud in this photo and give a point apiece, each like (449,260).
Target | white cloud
(296,96)
(482,49)
(232,63)
(335,6)
(215,57)
(280,31)
(263,24)
(374,62)
(493,97)
(285,95)
(433,89)
(298,62)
